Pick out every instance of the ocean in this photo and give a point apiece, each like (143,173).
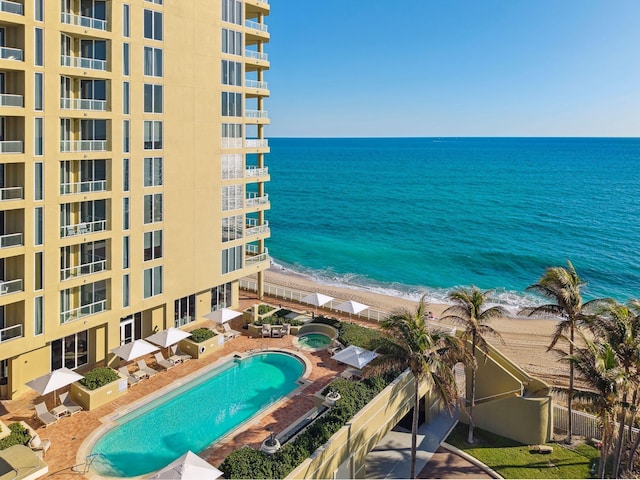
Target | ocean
(408,216)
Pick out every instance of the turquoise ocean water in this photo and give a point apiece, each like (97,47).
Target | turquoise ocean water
(407,216)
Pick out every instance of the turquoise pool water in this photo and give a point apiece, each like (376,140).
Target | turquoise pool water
(313,340)
(195,415)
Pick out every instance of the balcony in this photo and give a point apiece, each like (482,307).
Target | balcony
(252,257)
(7,53)
(252,228)
(83,311)
(256,143)
(10,7)
(256,84)
(83,228)
(12,146)
(83,187)
(83,146)
(9,333)
(80,21)
(260,114)
(83,104)
(231,142)
(182,321)
(261,27)
(82,62)
(7,100)
(252,54)
(11,193)
(11,240)
(84,269)
(10,286)
(253,200)
(254,172)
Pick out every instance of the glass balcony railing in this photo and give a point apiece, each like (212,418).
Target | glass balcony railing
(256,114)
(83,228)
(10,286)
(11,240)
(82,62)
(11,193)
(87,22)
(84,269)
(256,143)
(7,100)
(256,26)
(10,7)
(231,142)
(256,84)
(83,187)
(7,53)
(83,104)
(252,256)
(83,311)
(253,200)
(83,146)
(12,146)
(252,228)
(9,333)
(252,172)
(256,55)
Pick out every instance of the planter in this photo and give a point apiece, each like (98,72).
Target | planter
(332,398)
(270,446)
(199,350)
(92,399)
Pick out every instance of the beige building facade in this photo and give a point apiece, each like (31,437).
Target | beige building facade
(132,172)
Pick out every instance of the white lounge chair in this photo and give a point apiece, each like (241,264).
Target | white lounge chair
(230,332)
(163,362)
(44,415)
(131,380)
(39,445)
(72,406)
(142,365)
(266,330)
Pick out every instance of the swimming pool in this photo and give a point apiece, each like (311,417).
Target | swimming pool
(313,341)
(314,336)
(195,415)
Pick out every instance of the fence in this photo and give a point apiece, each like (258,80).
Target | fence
(583,424)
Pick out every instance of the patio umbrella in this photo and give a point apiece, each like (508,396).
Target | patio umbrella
(352,307)
(168,337)
(316,299)
(355,356)
(135,349)
(53,381)
(189,467)
(223,315)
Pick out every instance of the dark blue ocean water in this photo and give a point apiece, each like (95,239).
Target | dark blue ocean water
(413,215)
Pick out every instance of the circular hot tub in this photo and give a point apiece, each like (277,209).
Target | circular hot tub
(315,336)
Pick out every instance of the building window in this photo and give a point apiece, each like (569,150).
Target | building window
(157,2)
(232,228)
(125,213)
(125,98)
(38,266)
(231,42)
(125,59)
(232,197)
(126,136)
(126,31)
(153,208)
(153,62)
(39,48)
(152,98)
(38,316)
(231,259)
(38,191)
(153,25)
(152,135)
(231,104)
(125,252)
(232,11)
(152,281)
(38,11)
(152,245)
(221,296)
(94,49)
(125,174)
(38,91)
(232,166)
(38,136)
(231,73)
(71,352)
(125,291)
(38,228)
(152,171)
(185,310)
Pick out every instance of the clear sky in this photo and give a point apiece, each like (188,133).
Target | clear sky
(342,68)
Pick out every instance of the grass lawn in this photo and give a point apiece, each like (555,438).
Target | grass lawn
(514,460)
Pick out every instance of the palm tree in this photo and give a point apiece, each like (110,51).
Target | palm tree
(428,353)
(468,312)
(562,285)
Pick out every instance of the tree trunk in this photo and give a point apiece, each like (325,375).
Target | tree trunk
(604,447)
(634,401)
(617,456)
(632,453)
(569,439)
(414,429)
(473,393)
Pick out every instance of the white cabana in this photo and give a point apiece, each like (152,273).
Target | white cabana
(351,307)
(53,381)
(316,299)
(135,349)
(355,356)
(168,337)
(188,467)
(223,315)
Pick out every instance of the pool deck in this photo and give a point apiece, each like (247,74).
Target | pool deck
(69,433)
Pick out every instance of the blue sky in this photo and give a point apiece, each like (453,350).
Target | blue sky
(342,68)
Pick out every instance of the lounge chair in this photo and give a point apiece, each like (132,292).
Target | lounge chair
(142,365)
(163,362)
(230,332)
(44,415)
(39,445)
(178,353)
(72,407)
(131,380)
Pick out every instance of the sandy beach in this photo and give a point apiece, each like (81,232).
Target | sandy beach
(525,339)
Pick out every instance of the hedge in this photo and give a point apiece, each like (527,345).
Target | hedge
(18,436)
(352,334)
(98,377)
(200,335)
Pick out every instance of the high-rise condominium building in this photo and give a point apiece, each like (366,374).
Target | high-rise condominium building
(132,172)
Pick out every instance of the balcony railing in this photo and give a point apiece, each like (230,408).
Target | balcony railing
(231,142)
(10,7)
(182,321)
(252,228)
(83,228)
(253,200)
(11,193)
(252,172)
(9,333)
(7,53)
(256,114)
(82,62)
(8,100)
(83,146)
(11,240)
(256,55)
(256,143)
(10,286)
(12,146)
(83,104)
(87,22)
(256,26)
(83,311)
(84,269)
(256,84)
(252,256)
(83,187)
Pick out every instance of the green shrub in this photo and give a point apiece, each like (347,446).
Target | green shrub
(200,335)
(98,377)
(262,309)
(18,436)
(351,333)
(283,312)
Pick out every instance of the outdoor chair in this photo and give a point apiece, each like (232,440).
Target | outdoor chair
(276,332)
(266,330)
(131,380)
(163,362)
(178,353)
(44,415)
(39,445)
(286,329)
(72,406)
(142,365)
(229,332)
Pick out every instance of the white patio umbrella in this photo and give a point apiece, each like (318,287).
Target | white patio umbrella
(223,315)
(51,382)
(168,337)
(135,349)
(352,307)
(316,299)
(355,356)
(189,467)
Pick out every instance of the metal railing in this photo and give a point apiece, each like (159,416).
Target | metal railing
(252,228)
(10,7)
(84,269)
(10,100)
(9,333)
(583,424)
(12,146)
(253,200)
(256,55)
(262,27)
(256,114)
(256,143)
(252,172)
(256,84)
(10,286)
(87,22)
(83,146)
(7,53)
(83,228)
(11,240)
(83,311)
(11,193)
(82,62)
(83,187)
(83,104)
(254,259)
